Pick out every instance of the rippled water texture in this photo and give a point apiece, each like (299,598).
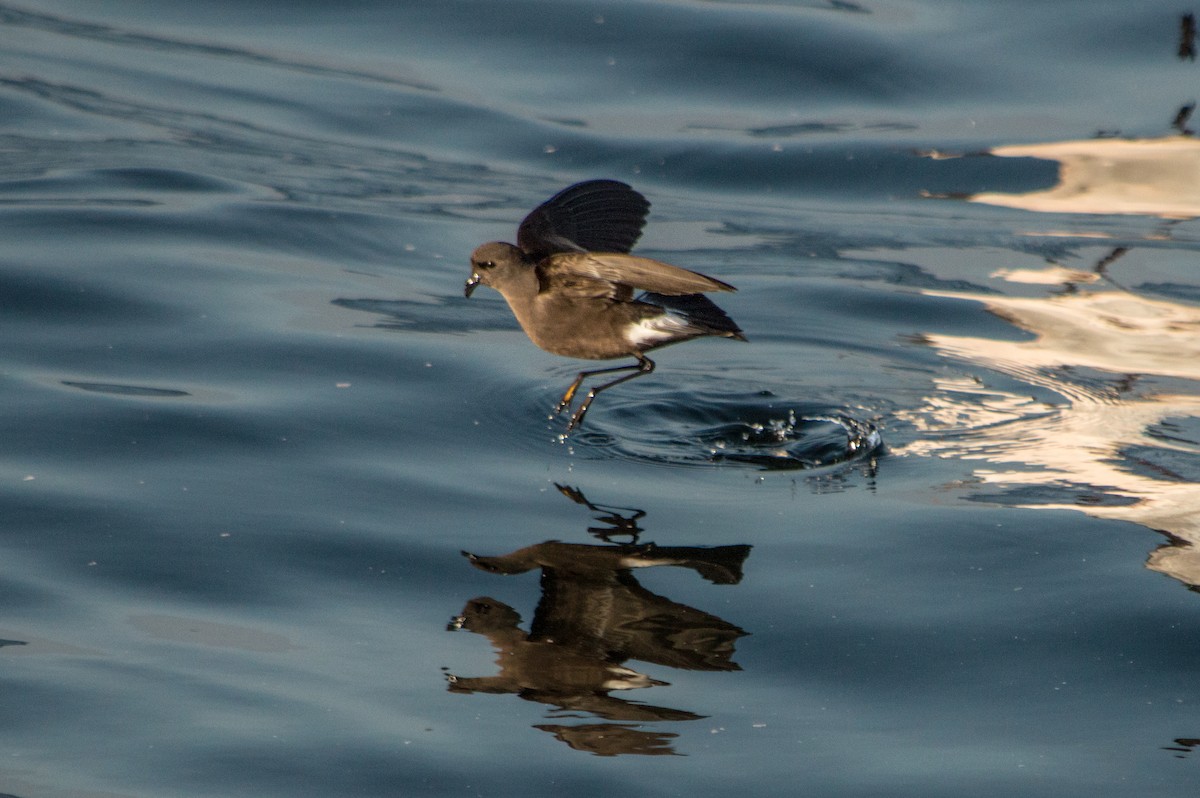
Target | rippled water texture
(282,513)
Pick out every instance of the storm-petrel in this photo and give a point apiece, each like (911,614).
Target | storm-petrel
(570,281)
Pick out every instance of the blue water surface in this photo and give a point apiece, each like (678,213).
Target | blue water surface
(930,533)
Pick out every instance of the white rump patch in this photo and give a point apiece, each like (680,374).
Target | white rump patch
(657,329)
(622,678)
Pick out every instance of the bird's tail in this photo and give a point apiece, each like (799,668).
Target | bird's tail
(699,311)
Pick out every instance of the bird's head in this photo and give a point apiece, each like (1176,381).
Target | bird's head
(492,263)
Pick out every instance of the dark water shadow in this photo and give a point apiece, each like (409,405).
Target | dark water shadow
(120,389)
(437,315)
(826,5)
(1183,747)
(591,618)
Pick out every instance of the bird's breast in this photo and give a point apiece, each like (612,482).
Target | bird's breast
(591,331)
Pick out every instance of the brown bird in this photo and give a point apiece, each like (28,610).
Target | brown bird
(570,281)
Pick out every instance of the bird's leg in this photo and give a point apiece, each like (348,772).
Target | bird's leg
(565,402)
(644,366)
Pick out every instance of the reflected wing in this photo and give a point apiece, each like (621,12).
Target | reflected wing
(596,216)
(627,270)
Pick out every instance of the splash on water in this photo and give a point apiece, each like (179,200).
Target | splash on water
(759,430)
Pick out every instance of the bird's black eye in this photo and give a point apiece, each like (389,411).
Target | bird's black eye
(487,264)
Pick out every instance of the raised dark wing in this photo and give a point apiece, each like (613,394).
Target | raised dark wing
(593,216)
(627,271)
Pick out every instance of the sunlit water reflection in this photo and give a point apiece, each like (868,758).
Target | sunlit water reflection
(1100,448)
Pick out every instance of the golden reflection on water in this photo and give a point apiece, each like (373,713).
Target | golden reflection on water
(1155,177)
(1100,351)
(1125,367)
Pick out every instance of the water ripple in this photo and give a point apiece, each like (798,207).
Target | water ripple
(759,429)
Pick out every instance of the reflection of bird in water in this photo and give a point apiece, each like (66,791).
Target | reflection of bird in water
(546,671)
(592,603)
(617,523)
(721,565)
(570,282)
(592,617)
(610,739)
